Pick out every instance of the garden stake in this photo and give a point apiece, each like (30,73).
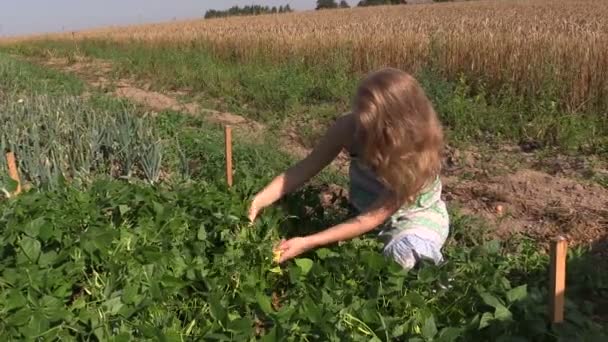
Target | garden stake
(13,172)
(557,290)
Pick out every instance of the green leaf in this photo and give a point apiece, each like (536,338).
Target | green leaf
(449,334)
(415,299)
(276,270)
(324,253)
(399,330)
(31,248)
(503,314)
(53,308)
(271,336)
(372,261)
(241,325)
(427,274)
(79,303)
(33,227)
(155,290)
(123,209)
(47,259)
(490,300)
(312,310)
(294,273)
(217,309)
(46,232)
(15,300)
(172,282)
(129,294)
(112,306)
(429,329)
(100,333)
(202,233)
(305,265)
(486,318)
(264,302)
(158,208)
(517,293)
(38,324)
(21,317)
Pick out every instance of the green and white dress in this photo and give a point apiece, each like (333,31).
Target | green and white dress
(413,232)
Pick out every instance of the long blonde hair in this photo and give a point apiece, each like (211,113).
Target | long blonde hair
(400,132)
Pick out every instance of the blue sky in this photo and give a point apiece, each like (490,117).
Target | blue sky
(37,16)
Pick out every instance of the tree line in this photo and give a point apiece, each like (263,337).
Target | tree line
(247,10)
(327,4)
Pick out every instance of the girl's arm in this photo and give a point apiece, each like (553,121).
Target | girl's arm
(326,150)
(382,209)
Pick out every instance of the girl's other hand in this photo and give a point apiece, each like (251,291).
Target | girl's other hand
(254,209)
(294,247)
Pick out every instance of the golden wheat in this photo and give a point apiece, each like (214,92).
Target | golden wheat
(527,46)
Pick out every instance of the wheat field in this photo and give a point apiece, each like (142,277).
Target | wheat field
(541,48)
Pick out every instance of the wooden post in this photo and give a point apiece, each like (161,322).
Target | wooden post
(13,172)
(557,290)
(228,139)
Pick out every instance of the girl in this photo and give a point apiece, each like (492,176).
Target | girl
(395,141)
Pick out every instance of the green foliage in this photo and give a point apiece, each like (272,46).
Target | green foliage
(65,137)
(246,10)
(19,77)
(114,260)
(59,135)
(366,3)
(326,4)
(122,261)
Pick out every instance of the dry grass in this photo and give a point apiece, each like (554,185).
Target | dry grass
(523,46)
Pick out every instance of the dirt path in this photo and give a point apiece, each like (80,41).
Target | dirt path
(511,188)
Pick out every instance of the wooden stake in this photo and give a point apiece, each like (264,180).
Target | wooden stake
(13,172)
(228,138)
(557,291)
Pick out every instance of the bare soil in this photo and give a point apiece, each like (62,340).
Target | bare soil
(535,204)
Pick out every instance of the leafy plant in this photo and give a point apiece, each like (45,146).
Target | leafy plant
(56,137)
(116,260)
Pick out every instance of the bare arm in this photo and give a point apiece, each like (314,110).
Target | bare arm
(382,209)
(326,150)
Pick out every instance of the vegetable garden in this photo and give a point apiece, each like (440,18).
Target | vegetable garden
(96,252)
(126,229)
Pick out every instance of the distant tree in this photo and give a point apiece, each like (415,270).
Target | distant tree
(365,3)
(325,4)
(344,4)
(246,10)
(288,9)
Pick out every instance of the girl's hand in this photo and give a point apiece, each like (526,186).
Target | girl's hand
(256,206)
(294,247)
(254,209)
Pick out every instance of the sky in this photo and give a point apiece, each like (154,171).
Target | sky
(19,17)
